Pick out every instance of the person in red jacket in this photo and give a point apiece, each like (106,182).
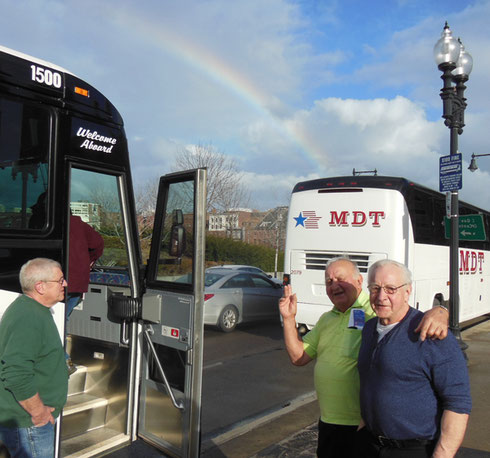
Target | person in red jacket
(86,246)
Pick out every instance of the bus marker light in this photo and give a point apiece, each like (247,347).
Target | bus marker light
(81,91)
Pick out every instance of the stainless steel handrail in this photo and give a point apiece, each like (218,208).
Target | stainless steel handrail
(177,404)
(124,336)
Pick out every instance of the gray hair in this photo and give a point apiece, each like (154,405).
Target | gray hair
(36,270)
(343,258)
(407,275)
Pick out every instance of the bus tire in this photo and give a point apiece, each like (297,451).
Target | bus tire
(228,319)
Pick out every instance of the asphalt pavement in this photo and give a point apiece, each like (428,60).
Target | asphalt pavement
(292,431)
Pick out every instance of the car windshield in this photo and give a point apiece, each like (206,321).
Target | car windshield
(211,278)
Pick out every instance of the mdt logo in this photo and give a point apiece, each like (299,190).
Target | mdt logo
(356,218)
(307,219)
(471,261)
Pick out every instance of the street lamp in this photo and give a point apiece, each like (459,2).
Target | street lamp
(473,166)
(456,65)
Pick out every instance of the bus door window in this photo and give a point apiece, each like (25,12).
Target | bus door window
(176,241)
(95,199)
(24,152)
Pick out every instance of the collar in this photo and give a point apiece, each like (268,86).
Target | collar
(359,303)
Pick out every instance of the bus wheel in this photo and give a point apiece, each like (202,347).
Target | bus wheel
(228,318)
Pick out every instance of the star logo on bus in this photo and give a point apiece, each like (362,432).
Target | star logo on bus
(307,219)
(300,220)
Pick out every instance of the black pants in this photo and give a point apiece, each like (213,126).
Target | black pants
(335,441)
(367,446)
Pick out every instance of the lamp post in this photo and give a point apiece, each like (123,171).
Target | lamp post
(473,166)
(278,238)
(456,65)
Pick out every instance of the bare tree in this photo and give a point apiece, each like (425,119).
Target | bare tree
(225,187)
(105,195)
(146,201)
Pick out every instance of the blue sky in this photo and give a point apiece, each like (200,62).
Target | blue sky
(292,90)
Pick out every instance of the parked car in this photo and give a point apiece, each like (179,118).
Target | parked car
(232,297)
(243,268)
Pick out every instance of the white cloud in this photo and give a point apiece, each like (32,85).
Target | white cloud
(237,75)
(271,190)
(373,133)
(392,136)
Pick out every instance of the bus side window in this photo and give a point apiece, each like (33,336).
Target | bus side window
(24,152)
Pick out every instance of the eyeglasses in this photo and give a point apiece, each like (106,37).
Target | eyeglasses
(375,289)
(60,281)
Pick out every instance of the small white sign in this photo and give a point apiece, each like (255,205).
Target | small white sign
(448,204)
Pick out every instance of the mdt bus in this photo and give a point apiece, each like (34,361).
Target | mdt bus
(369,218)
(136,338)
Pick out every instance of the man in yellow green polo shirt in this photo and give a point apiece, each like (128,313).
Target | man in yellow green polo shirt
(334,343)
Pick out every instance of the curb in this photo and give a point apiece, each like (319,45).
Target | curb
(250,438)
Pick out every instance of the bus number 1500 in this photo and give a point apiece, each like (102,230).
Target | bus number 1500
(45,76)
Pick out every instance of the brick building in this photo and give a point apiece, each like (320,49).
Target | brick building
(266,228)
(234,223)
(271,230)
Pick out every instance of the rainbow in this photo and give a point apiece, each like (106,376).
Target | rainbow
(221,72)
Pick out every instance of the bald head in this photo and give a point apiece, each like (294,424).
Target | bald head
(344,283)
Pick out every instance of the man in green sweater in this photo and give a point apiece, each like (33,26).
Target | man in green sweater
(33,371)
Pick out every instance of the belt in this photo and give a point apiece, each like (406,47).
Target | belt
(401,443)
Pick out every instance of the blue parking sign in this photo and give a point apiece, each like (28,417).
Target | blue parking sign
(450,173)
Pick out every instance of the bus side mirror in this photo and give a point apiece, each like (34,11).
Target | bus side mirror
(177,242)
(177,235)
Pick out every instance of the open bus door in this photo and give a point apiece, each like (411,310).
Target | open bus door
(171,337)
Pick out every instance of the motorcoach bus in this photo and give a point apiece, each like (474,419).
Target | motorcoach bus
(136,338)
(368,218)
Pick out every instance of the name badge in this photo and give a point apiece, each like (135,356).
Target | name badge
(357,319)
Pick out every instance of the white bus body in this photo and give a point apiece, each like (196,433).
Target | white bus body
(372,218)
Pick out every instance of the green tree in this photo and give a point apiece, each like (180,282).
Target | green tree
(227,251)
